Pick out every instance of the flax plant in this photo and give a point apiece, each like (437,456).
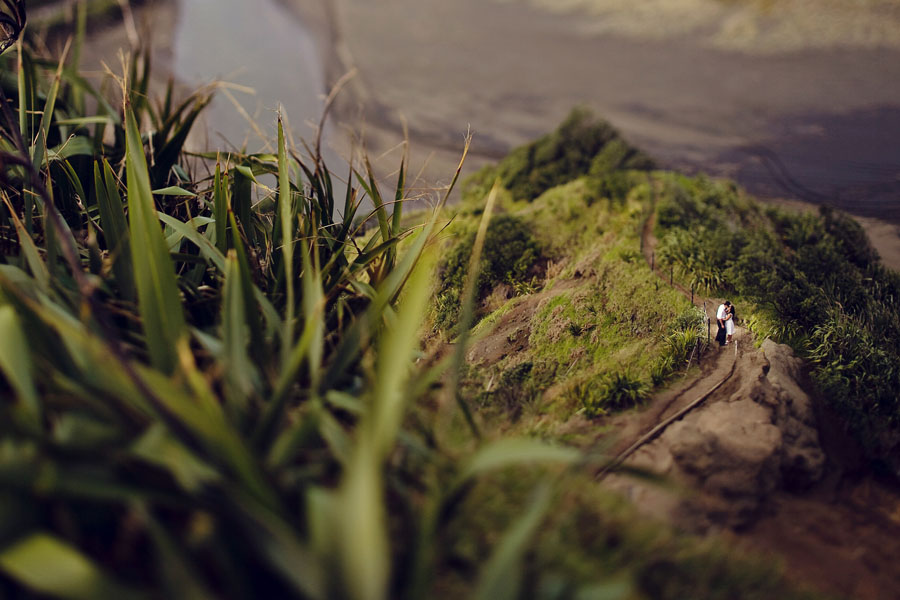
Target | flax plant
(205,393)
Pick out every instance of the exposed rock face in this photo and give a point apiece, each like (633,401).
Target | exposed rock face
(802,460)
(757,434)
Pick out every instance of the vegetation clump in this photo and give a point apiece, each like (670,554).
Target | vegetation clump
(511,255)
(520,386)
(811,280)
(582,145)
(684,343)
(598,311)
(610,393)
(205,393)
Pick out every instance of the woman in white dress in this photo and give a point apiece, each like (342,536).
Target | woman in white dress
(729,323)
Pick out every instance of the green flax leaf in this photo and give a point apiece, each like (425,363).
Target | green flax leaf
(286,217)
(363,546)
(501,578)
(174,190)
(50,566)
(16,365)
(220,210)
(115,228)
(158,298)
(30,251)
(239,371)
(39,146)
(513,451)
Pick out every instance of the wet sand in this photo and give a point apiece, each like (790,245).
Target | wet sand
(818,126)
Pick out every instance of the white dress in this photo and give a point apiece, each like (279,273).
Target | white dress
(729,326)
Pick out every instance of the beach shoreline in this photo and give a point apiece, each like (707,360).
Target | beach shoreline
(432,82)
(373,106)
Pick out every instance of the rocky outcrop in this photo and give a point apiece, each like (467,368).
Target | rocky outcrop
(754,436)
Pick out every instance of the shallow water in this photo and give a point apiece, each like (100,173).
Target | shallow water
(257,45)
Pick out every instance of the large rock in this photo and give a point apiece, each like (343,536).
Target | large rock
(803,461)
(755,436)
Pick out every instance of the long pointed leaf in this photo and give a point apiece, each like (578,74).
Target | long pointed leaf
(239,371)
(72,576)
(363,550)
(375,194)
(189,232)
(501,578)
(397,216)
(468,306)
(286,215)
(513,451)
(241,188)
(16,365)
(115,228)
(313,301)
(220,210)
(158,298)
(249,291)
(33,259)
(39,144)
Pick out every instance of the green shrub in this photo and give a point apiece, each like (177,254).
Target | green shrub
(510,254)
(613,186)
(664,366)
(520,385)
(581,145)
(609,393)
(850,237)
(687,335)
(691,319)
(697,256)
(861,374)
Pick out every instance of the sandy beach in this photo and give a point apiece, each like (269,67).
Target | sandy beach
(815,125)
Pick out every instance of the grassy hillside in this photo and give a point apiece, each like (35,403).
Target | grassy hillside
(586,328)
(603,331)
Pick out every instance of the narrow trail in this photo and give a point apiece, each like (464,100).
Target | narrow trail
(661,426)
(838,532)
(673,404)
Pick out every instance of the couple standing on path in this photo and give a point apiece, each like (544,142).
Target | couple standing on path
(725,319)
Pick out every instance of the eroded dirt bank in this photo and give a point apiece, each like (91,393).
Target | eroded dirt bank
(751,462)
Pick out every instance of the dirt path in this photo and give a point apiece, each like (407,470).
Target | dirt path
(799,496)
(717,365)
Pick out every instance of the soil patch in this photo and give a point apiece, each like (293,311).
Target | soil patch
(844,541)
(511,331)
